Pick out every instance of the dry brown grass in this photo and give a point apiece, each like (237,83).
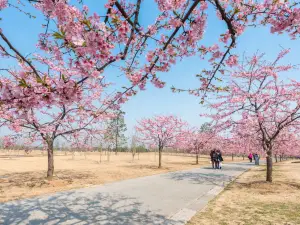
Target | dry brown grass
(251,201)
(23,176)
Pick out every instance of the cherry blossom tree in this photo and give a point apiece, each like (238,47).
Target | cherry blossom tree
(195,141)
(76,123)
(256,97)
(245,139)
(95,42)
(162,131)
(74,111)
(287,144)
(78,45)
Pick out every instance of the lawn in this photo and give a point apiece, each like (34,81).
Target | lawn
(251,201)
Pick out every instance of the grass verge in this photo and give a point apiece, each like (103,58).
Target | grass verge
(251,201)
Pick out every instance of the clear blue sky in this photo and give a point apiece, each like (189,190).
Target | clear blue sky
(23,32)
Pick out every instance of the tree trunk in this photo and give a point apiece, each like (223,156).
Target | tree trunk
(108,154)
(276,158)
(243,156)
(133,151)
(269,166)
(159,157)
(197,159)
(50,159)
(232,156)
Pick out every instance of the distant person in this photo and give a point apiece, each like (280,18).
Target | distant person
(219,159)
(213,158)
(256,159)
(250,157)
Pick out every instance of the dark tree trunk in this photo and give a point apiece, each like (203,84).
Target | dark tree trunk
(159,156)
(276,158)
(243,156)
(269,166)
(232,156)
(197,159)
(50,159)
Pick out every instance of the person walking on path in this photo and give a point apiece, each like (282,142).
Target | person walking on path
(256,159)
(219,159)
(250,157)
(212,158)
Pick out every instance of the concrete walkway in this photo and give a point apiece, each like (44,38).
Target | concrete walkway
(171,198)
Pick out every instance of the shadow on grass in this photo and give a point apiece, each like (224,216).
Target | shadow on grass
(252,183)
(19,156)
(80,208)
(38,179)
(183,163)
(264,187)
(293,185)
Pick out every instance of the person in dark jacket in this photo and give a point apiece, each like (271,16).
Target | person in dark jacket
(218,159)
(213,158)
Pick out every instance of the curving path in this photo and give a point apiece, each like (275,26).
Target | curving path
(171,198)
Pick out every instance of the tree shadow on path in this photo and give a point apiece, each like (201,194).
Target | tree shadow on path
(227,168)
(210,176)
(202,178)
(80,208)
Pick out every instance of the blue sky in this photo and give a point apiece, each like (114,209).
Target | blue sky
(23,32)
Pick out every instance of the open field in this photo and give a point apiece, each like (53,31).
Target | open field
(23,176)
(251,201)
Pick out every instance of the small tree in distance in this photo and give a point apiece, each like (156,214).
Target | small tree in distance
(162,131)
(115,131)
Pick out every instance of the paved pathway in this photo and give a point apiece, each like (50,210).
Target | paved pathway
(171,198)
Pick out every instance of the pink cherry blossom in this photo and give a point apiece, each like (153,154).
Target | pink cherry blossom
(161,131)
(3,4)
(258,107)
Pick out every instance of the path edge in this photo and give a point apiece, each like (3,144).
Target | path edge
(185,214)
